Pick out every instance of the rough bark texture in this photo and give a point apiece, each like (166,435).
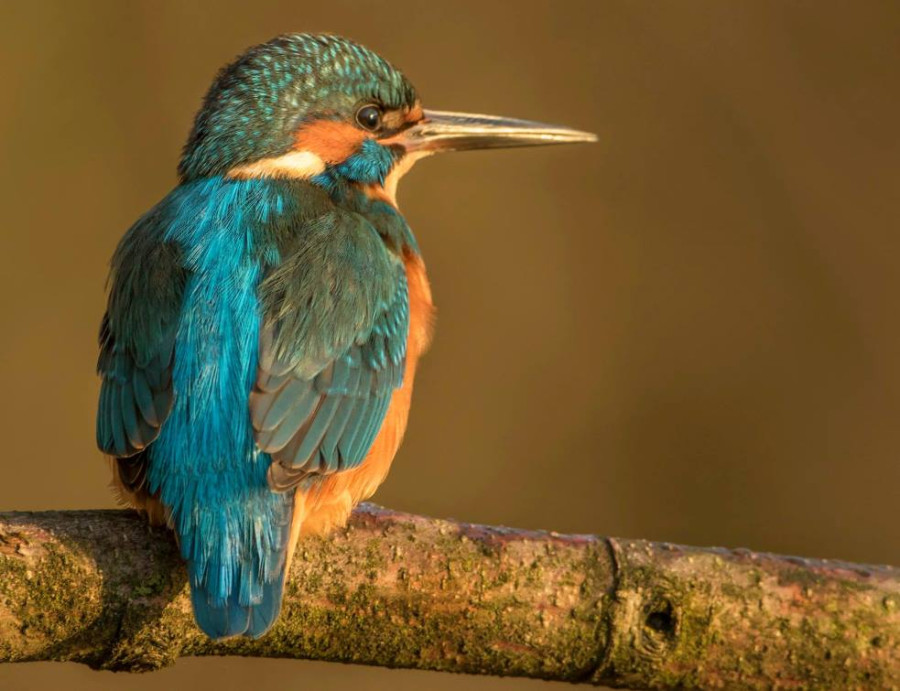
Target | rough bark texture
(102,588)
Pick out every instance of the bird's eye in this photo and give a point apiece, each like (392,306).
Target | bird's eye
(369,117)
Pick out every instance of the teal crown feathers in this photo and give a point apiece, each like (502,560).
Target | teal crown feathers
(257,102)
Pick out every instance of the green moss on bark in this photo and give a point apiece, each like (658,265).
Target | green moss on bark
(405,591)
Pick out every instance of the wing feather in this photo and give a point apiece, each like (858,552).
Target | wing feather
(332,350)
(137,345)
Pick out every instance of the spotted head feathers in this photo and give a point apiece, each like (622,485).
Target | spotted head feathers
(258,105)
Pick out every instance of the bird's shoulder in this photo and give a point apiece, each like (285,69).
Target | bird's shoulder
(146,284)
(335,309)
(335,277)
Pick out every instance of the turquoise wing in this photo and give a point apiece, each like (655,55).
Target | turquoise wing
(137,342)
(332,349)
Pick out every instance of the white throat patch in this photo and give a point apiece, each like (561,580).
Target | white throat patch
(398,171)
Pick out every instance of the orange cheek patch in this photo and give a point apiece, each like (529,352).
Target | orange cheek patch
(415,113)
(331,141)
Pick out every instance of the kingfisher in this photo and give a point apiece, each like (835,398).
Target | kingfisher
(265,319)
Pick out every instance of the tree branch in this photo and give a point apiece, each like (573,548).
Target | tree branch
(102,588)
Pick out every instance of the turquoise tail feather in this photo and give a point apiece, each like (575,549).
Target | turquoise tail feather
(238,591)
(225,618)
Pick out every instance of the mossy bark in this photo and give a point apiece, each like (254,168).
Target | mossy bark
(103,588)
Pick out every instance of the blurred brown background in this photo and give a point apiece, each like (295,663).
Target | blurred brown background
(688,332)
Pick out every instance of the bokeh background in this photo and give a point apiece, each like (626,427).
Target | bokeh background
(687,332)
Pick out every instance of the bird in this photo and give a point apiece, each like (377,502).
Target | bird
(265,319)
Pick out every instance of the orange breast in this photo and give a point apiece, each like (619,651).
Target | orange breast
(328,505)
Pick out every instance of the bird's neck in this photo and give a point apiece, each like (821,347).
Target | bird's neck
(372,202)
(355,184)
(375,204)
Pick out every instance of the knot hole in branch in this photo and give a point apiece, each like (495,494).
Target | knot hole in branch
(660,626)
(660,618)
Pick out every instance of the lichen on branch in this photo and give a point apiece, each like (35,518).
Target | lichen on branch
(397,590)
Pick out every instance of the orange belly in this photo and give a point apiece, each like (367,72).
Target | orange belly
(328,504)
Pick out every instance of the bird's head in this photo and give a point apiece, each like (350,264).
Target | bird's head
(324,108)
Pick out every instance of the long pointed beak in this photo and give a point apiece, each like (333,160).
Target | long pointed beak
(444,131)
